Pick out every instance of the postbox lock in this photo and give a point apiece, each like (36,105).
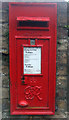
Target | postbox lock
(23,79)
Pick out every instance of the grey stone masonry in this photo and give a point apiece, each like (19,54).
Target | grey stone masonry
(61,62)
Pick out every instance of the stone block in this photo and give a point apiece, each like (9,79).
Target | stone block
(4,51)
(5,60)
(5,12)
(63,45)
(61,70)
(5,105)
(62,33)
(62,6)
(5,17)
(5,5)
(61,57)
(61,94)
(5,45)
(5,81)
(5,32)
(57,116)
(6,114)
(61,82)
(5,69)
(5,93)
(61,14)
(62,105)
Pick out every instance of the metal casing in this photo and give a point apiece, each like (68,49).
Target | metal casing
(32,93)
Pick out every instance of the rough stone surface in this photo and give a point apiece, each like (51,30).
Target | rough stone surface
(62,32)
(61,57)
(62,14)
(61,82)
(61,94)
(61,70)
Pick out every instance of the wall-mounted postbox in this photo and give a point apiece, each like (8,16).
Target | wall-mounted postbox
(32,48)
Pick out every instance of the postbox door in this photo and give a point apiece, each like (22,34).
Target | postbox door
(32,74)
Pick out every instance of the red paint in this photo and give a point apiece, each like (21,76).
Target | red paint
(33,19)
(32,94)
(23,103)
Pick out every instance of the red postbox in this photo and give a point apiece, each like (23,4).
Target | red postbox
(32,48)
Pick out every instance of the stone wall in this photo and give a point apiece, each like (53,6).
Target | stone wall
(68,60)
(61,75)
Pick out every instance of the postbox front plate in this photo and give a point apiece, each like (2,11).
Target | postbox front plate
(32,47)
